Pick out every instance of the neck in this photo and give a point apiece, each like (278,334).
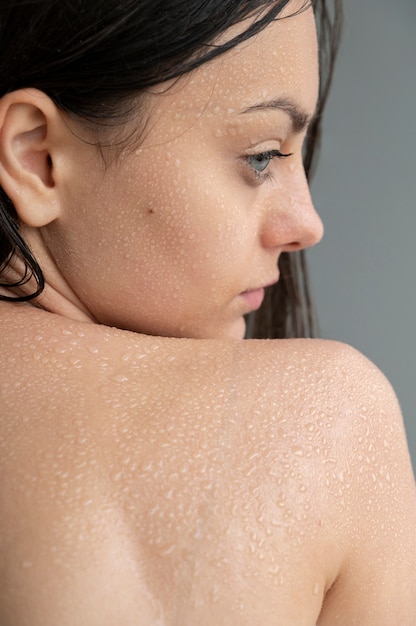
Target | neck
(57,297)
(62,302)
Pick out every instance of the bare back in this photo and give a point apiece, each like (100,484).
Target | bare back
(149,481)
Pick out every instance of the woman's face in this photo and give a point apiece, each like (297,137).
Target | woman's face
(180,235)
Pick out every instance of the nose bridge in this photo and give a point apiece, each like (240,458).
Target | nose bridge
(292,222)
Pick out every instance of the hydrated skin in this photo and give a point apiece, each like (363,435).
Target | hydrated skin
(156,481)
(169,481)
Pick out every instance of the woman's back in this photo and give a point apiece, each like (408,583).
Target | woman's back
(171,481)
(155,468)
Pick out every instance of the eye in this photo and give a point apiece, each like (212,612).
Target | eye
(259,162)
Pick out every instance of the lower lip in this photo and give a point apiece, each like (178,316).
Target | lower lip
(254,298)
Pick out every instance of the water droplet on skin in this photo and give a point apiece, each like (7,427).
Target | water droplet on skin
(120,378)
(297,450)
(75,363)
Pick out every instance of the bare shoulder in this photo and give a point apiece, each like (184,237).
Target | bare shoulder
(47,354)
(325,379)
(337,392)
(345,416)
(286,457)
(326,387)
(339,416)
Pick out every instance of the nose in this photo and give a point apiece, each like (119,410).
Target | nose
(291,221)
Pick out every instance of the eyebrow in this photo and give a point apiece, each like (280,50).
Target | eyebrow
(300,119)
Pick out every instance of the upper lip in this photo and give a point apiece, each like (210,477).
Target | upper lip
(264,286)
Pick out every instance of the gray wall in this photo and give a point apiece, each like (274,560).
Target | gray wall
(363,272)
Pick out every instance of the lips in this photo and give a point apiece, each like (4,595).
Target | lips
(254,298)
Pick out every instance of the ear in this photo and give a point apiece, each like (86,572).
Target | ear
(31,129)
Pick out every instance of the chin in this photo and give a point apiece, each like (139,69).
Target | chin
(236,330)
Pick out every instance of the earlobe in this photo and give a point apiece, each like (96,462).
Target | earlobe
(28,124)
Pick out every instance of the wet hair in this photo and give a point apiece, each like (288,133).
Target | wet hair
(93,58)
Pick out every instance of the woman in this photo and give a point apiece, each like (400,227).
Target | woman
(155,468)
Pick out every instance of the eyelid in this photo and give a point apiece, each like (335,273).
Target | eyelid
(270,153)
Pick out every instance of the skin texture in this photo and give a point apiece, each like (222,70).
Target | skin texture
(166,481)
(180,481)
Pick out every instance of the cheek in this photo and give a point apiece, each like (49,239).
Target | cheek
(185,219)
(160,223)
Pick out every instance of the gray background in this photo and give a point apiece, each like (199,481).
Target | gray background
(363,272)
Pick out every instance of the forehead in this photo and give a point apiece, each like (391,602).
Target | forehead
(280,62)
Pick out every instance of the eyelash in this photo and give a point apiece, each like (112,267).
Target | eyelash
(267,154)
